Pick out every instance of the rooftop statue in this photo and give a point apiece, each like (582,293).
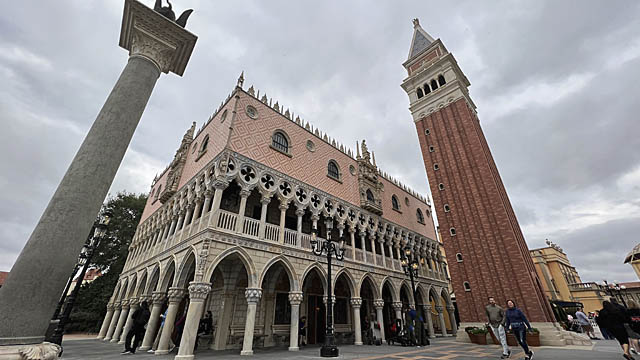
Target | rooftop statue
(167,11)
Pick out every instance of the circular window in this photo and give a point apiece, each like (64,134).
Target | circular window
(311,146)
(406,201)
(252,112)
(352,169)
(427,131)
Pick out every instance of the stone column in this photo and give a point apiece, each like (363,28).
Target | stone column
(175,296)
(120,324)
(363,246)
(219,187)
(174,223)
(429,320)
(106,322)
(443,324)
(253,295)
(397,306)
(263,216)
(381,241)
(283,210)
(452,319)
(198,292)
(295,299)
(179,224)
(353,242)
(114,321)
(372,237)
(378,304)
(32,290)
(244,194)
(208,194)
(356,303)
(300,214)
(158,299)
(133,306)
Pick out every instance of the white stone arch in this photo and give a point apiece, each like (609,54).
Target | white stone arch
(294,285)
(320,269)
(423,294)
(154,278)
(244,257)
(116,291)
(377,290)
(350,281)
(395,291)
(444,294)
(142,283)
(406,285)
(167,275)
(123,289)
(190,257)
(434,293)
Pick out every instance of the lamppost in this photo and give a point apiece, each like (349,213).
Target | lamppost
(331,248)
(84,259)
(615,290)
(410,265)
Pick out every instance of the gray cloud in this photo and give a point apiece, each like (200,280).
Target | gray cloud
(555,85)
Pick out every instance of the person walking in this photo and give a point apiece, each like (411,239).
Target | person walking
(633,327)
(613,318)
(156,342)
(136,333)
(302,331)
(585,324)
(496,317)
(518,323)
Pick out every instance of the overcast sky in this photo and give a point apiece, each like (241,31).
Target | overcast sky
(555,82)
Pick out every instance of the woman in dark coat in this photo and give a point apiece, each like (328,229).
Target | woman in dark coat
(614,319)
(517,321)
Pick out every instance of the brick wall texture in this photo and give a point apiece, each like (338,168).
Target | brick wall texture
(495,257)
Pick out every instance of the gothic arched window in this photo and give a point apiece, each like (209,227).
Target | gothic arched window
(280,142)
(420,216)
(333,170)
(434,84)
(427,89)
(441,80)
(370,196)
(420,93)
(205,143)
(394,203)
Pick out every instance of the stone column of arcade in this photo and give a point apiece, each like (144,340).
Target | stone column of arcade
(198,292)
(106,322)
(32,290)
(175,297)
(443,324)
(114,321)
(120,324)
(397,306)
(253,295)
(356,303)
(158,299)
(452,319)
(133,306)
(378,304)
(427,312)
(295,299)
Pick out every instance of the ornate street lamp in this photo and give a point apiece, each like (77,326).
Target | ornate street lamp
(331,248)
(99,230)
(410,265)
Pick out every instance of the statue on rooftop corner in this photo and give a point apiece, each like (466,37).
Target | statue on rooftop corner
(167,11)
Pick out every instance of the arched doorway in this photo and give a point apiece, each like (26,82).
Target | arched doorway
(388,311)
(342,315)
(276,286)
(315,310)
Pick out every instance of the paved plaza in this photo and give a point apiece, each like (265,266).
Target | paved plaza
(440,349)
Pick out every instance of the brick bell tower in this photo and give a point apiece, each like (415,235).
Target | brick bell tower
(487,253)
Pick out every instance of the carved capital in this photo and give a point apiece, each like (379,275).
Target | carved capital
(116,305)
(199,290)
(158,297)
(295,297)
(245,193)
(110,306)
(149,34)
(333,300)
(133,303)
(43,351)
(300,212)
(253,295)
(356,302)
(439,309)
(146,298)
(397,306)
(124,304)
(378,303)
(450,308)
(175,294)
(265,200)
(427,308)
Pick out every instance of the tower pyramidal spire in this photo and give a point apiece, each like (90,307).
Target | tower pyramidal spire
(421,40)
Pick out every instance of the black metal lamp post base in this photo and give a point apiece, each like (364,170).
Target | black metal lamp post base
(329,351)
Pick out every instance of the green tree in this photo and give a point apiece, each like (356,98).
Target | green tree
(109,257)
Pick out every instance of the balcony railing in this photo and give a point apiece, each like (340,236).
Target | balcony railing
(290,237)
(227,220)
(251,227)
(272,232)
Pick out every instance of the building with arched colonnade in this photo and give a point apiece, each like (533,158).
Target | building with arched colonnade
(227,229)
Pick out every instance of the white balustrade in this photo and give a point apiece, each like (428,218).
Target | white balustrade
(305,241)
(251,226)
(227,220)
(359,256)
(290,237)
(272,232)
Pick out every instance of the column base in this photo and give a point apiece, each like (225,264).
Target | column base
(294,348)
(161,352)
(246,352)
(144,348)
(42,351)
(184,357)
(106,339)
(357,343)
(121,342)
(99,337)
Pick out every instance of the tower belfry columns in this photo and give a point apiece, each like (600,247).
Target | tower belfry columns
(33,287)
